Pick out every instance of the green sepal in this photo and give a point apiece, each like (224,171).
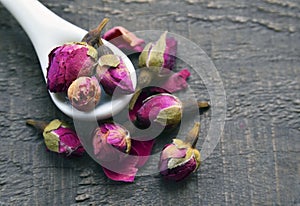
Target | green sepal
(181,144)
(190,153)
(134,99)
(156,55)
(170,115)
(144,55)
(51,139)
(197,156)
(92,52)
(110,60)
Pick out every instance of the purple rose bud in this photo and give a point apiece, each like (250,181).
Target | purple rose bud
(59,137)
(109,140)
(159,108)
(180,158)
(68,62)
(114,75)
(159,57)
(124,39)
(84,93)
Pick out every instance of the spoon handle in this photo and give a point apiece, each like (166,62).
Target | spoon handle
(45,29)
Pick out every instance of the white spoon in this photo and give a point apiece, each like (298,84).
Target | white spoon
(46,30)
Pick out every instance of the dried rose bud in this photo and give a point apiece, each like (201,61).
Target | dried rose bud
(68,62)
(159,57)
(180,158)
(109,140)
(84,93)
(59,137)
(114,75)
(161,108)
(124,39)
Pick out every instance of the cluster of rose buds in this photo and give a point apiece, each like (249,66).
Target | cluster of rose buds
(73,67)
(81,70)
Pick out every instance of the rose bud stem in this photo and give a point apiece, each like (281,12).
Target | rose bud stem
(203,104)
(93,37)
(192,136)
(40,125)
(189,106)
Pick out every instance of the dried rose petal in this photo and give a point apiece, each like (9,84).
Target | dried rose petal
(126,168)
(127,175)
(159,57)
(68,62)
(123,39)
(176,81)
(84,93)
(142,149)
(114,75)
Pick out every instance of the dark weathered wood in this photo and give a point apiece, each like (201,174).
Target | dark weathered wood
(255,47)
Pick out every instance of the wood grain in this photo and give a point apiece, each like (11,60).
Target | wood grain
(255,47)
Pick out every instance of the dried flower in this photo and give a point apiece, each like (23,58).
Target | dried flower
(68,62)
(114,75)
(124,39)
(160,56)
(151,106)
(84,93)
(109,140)
(157,58)
(59,137)
(180,158)
(112,144)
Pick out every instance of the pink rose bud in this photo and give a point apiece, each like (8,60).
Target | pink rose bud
(159,57)
(150,106)
(180,158)
(59,137)
(68,62)
(114,75)
(124,39)
(109,140)
(84,93)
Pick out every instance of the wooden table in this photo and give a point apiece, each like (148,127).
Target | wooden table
(255,47)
